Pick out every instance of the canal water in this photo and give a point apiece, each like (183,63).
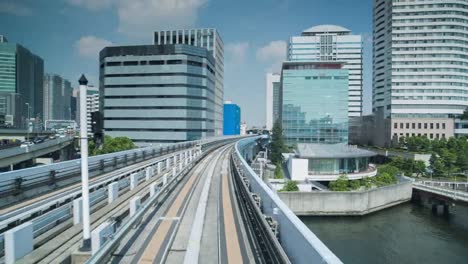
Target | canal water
(407,233)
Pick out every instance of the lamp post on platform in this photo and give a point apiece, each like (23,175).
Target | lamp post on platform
(84,164)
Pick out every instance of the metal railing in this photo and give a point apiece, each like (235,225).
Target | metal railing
(298,242)
(453,194)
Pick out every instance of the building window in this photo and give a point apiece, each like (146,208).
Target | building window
(407,134)
(425,125)
(437,126)
(407,125)
(443,135)
(401,125)
(419,134)
(437,135)
(443,127)
(432,125)
(130,63)
(413,125)
(419,125)
(431,136)
(412,134)
(395,125)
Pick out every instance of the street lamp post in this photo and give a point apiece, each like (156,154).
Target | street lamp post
(84,165)
(29,118)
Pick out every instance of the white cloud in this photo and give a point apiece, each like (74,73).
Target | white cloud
(92,5)
(14,8)
(90,46)
(141,17)
(237,52)
(273,53)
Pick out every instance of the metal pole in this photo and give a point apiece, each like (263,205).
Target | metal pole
(84,165)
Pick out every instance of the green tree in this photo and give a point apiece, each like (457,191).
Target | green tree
(112,145)
(354,185)
(340,185)
(464,116)
(290,186)
(419,167)
(278,171)
(388,168)
(277,143)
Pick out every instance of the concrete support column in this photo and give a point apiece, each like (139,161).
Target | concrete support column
(165,179)
(100,235)
(174,172)
(149,173)
(77,210)
(135,204)
(113,192)
(181,165)
(154,189)
(159,167)
(168,163)
(133,181)
(18,242)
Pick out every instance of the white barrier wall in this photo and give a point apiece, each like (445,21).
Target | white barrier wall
(18,242)
(298,168)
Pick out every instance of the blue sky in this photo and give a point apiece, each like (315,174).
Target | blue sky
(68,34)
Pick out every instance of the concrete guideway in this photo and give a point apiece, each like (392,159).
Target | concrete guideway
(199,224)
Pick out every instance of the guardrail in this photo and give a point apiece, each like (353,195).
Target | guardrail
(22,184)
(455,195)
(298,242)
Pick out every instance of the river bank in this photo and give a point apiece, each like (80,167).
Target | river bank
(407,233)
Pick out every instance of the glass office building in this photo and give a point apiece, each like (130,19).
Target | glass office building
(333,43)
(231,119)
(157,94)
(21,82)
(314,102)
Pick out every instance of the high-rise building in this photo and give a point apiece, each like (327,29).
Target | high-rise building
(273,100)
(57,98)
(21,84)
(92,105)
(231,119)
(157,94)
(209,39)
(419,67)
(330,43)
(314,102)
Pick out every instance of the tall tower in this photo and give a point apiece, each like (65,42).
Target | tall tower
(419,66)
(329,43)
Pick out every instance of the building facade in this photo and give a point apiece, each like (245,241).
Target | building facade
(420,81)
(92,105)
(232,118)
(210,39)
(314,102)
(158,94)
(57,98)
(330,43)
(273,83)
(21,84)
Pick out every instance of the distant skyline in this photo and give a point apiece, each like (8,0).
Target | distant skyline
(68,35)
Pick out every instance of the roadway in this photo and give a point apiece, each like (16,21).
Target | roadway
(199,221)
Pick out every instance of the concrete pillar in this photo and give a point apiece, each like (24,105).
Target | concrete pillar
(135,204)
(168,163)
(174,172)
(18,242)
(113,192)
(154,189)
(175,158)
(159,167)
(181,165)
(165,179)
(77,210)
(100,235)
(133,181)
(149,173)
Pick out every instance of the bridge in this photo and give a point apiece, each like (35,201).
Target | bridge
(186,203)
(16,155)
(440,195)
